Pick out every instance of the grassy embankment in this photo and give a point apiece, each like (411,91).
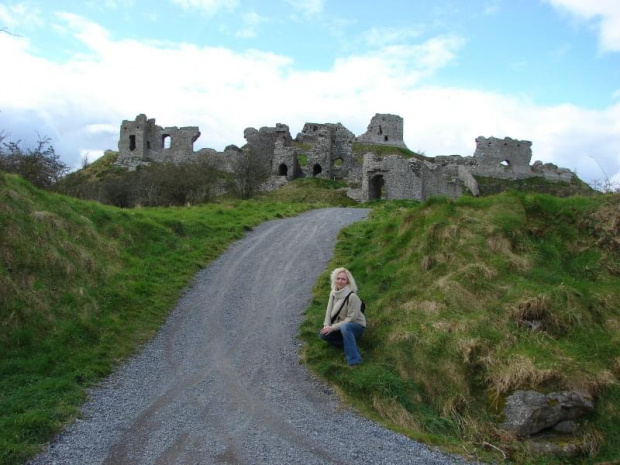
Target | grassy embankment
(83,285)
(452,290)
(449,286)
(314,191)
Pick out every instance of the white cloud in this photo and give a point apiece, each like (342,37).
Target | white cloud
(209,7)
(251,23)
(101,129)
(308,8)
(20,15)
(111,4)
(378,37)
(90,155)
(604,13)
(492,7)
(82,101)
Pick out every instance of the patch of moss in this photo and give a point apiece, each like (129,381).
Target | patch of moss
(490,186)
(384,150)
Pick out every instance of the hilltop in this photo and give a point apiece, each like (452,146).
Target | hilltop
(474,299)
(468,300)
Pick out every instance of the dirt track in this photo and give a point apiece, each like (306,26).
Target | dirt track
(221,382)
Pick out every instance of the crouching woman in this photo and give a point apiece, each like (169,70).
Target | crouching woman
(344,320)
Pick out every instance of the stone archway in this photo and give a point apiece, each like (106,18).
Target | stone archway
(376,187)
(316,170)
(283,170)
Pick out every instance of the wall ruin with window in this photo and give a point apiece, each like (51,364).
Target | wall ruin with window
(327,153)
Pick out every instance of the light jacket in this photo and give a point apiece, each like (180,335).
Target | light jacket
(350,313)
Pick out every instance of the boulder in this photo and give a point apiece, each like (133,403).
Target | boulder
(529,412)
(560,450)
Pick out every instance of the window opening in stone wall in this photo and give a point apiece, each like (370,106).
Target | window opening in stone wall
(338,162)
(376,188)
(148,144)
(166,140)
(380,130)
(283,170)
(385,138)
(316,170)
(132,143)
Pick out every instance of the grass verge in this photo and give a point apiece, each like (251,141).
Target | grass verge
(314,191)
(83,285)
(469,300)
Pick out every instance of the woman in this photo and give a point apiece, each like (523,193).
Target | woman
(344,320)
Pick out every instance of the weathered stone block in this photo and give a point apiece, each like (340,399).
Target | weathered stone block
(529,412)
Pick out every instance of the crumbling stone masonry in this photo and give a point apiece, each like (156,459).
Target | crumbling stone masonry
(396,177)
(384,130)
(330,154)
(328,149)
(510,159)
(143,141)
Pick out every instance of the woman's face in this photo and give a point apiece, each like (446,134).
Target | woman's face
(341,280)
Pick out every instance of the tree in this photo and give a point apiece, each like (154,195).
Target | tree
(250,170)
(41,166)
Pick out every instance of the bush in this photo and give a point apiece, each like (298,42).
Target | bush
(41,166)
(250,170)
(160,184)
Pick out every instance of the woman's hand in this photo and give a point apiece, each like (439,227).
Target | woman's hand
(326,330)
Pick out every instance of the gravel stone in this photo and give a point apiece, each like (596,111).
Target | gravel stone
(221,382)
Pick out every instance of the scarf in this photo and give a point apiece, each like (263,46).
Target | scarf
(342,293)
(336,299)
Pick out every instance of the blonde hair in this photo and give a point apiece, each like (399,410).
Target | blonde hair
(336,272)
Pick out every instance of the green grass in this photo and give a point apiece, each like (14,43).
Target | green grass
(450,287)
(83,285)
(314,191)
(384,150)
(490,186)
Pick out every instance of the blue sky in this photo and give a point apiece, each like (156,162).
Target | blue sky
(542,70)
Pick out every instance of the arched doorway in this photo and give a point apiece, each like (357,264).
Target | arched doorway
(283,170)
(376,186)
(316,170)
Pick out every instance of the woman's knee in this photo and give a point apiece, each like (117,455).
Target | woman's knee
(352,328)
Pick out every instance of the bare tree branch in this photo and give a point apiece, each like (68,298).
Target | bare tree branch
(6,31)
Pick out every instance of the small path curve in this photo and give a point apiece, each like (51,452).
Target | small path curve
(221,382)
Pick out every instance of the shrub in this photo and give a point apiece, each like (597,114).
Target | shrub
(41,166)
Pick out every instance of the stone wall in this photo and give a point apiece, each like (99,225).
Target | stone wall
(395,177)
(143,142)
(503,158)
(384,129)
(284,154)
(320,139)
(330,156)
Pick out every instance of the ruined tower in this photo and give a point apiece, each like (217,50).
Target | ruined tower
(142,141)
(384,130)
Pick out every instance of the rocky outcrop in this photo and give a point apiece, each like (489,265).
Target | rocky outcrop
(530,412)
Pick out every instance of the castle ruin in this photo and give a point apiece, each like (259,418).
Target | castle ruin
(327,150)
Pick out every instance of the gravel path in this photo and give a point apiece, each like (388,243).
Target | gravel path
(221,382)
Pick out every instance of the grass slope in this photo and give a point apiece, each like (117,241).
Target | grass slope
(453,289)
(82,286)
(315,191)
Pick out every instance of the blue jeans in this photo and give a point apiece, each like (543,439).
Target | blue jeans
(345,336)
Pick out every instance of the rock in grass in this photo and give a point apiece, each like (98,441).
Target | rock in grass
(529,412)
